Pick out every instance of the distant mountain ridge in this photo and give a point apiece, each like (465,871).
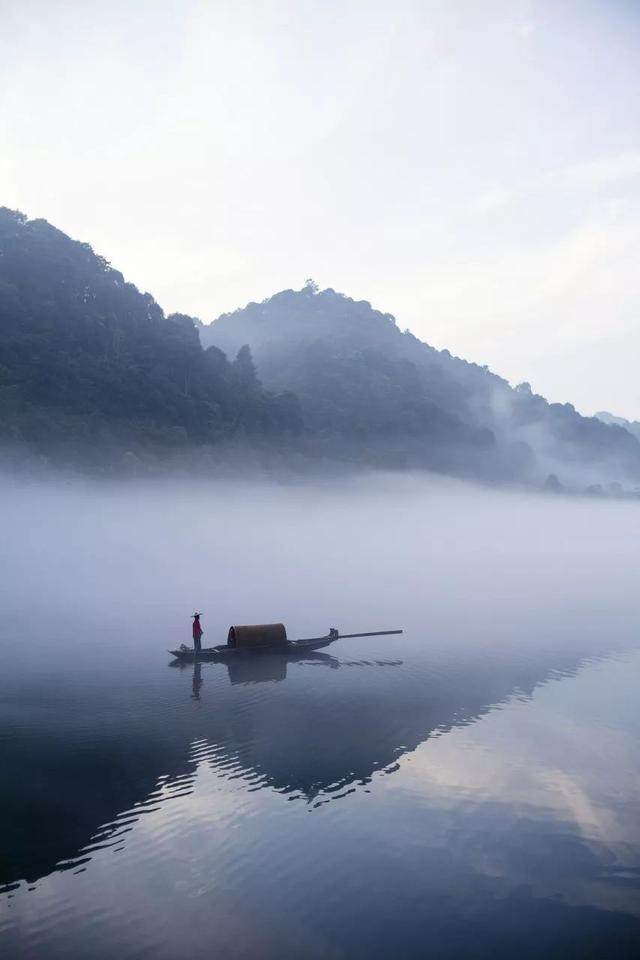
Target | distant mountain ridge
(360,378)
(632,426)
(93,374)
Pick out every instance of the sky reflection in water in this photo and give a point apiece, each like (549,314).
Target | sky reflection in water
(468,792)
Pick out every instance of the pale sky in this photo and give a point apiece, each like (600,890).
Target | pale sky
(471,166)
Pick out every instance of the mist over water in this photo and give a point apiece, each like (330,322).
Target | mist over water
(387,549)
(462,789)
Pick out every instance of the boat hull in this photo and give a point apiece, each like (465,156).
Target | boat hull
(292,648)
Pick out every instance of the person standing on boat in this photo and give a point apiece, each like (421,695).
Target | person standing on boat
(197,632)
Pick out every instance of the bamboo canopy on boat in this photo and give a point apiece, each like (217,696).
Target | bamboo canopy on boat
(257,635)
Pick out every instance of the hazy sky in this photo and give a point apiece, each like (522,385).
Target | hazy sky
(472,166)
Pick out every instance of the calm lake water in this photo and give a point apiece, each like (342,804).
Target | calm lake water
(469,789)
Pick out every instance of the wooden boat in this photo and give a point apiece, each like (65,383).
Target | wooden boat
(265,638)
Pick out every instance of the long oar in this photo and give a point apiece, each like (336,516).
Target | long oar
(345,636)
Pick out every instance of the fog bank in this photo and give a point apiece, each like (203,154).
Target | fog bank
(97,566)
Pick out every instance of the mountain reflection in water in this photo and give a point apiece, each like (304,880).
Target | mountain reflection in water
(468,790)
(312,739)
(172,765)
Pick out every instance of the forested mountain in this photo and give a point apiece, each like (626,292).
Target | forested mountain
(632,426)
(91,368)
(93,373)
(364,385)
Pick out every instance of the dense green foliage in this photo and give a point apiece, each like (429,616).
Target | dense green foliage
(88,363)
(92,372)
(362,381)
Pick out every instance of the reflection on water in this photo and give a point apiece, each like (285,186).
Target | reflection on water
(196,686)
(262,666)
(440,816)
(469,789)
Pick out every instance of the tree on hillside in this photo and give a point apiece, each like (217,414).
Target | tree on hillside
(243,371)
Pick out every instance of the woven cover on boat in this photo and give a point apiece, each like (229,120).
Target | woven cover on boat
(257,635)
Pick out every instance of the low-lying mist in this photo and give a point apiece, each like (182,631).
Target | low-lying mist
(91,567)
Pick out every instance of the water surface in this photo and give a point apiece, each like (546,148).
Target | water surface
(469,789)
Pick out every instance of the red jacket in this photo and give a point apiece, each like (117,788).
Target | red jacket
(197,630)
